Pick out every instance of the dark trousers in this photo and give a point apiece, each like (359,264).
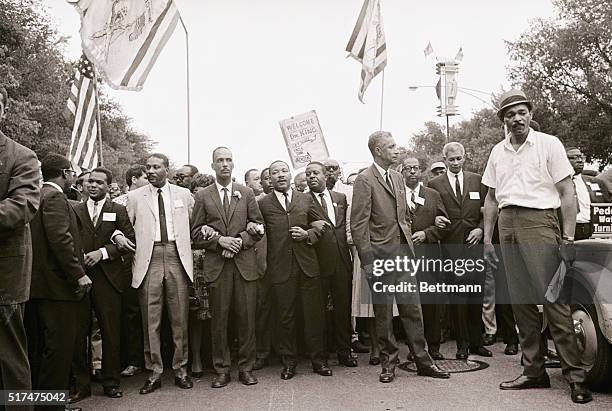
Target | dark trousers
(431,304)
(131,321)
(14,365)
(503,309)
(81,358)
(583,231)
(339,328)
(466,314)
(306,291)
(264,326)
(529,240)
(232,291)
(432,317)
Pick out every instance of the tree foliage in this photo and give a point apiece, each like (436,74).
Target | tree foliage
(37,76)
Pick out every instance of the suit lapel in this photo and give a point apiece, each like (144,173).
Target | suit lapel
(448,187)
(233,203)
(294,194)
(105,208)
(319,206)
(216,198)
(277,203)
(83,214)
(149,199)
(381,180)
(335,203)
(466,187)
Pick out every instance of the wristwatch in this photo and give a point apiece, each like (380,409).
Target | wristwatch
(567,238)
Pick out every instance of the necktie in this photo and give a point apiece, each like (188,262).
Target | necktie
(458,188)
(163,229)
(412,204)
(226,202)
(324,204)
(286,201)
(94,218)
(388,180)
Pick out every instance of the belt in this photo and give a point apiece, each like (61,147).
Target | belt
(162,243)
(515,207)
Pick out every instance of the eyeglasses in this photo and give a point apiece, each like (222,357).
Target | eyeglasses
(332,168)
(412,168)
(74,173)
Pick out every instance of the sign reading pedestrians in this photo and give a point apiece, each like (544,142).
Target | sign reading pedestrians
(601,218)
(304,139)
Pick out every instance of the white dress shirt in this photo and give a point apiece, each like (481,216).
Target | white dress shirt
(220,189)
(281,197)
(382,172)
(584,200)
(168,205)
(90,210)
(52,184)
(409,192)
(331,212)
(451,179)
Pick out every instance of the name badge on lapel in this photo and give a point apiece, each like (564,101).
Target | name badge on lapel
(109,217)
(474,195)
(178,203)
(419,200)
(595,187)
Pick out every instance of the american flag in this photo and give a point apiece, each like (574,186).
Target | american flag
(81,112)
(367,44)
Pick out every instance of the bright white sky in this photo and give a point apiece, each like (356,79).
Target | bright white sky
(254,63)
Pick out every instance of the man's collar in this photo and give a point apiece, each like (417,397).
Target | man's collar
(52,184)
(381,170)
(165,187)
(452,175)
(220,187)
(280,193)
(417,189)
(100,202)
(531,136)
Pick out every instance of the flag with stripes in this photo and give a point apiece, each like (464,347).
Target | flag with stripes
(123,38)
(81,113)
(367,44)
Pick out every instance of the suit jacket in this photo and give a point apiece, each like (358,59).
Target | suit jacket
(208,210)
(112,217)
(597,196)
(464,216)
(379,215)
(426,213)
(333,244)
(57,250)
(281,247)
(19,199)
(141,212)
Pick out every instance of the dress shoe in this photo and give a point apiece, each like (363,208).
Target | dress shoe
(197,374)
(580,393)
(288,372)
(260,363)
(436,355)
(79,396)
(247,378)
(524,382)
(323,370)
(432,371)
(130,371)
(511,349)
(482,351)
(462,354)
(347,360)
(183,382)
(221,380)
(150,386)
(113,392)
(488,339)
(359,347)
(410,356)
(387,375)
(374,360)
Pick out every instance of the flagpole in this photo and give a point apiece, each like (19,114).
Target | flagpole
(188,92)
(382,99)
(99,126)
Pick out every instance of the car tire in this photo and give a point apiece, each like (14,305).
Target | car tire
(594,350)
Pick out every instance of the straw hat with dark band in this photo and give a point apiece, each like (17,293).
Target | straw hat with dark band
(512,98)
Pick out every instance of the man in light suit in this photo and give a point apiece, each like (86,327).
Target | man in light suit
(230,267)
(162,267)
(380,228)
(463,196)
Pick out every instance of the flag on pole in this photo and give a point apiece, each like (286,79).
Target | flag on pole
(123,38)
(428,50)
(459,55)
(367,44)
(81,113)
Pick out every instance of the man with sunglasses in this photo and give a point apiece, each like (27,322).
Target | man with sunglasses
(184,175)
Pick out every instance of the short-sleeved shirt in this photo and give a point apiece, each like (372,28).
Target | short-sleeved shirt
(527,177)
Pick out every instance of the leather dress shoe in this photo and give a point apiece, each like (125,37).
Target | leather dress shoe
(410,356)
(260,363)
(323,370)
(580,393)
(183,382)
(130,371)
(113,392)
(523,382)
(387,375)
(511,349)
(288,372)
(221,380)
(482,351)
(150,386)
(347,360)
(359,347)
(462,354)
(247,378)
(488,339)
(374,360)
(79,396)
(432,371)
(436,355)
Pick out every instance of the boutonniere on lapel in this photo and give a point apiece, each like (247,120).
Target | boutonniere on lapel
(237,194)
(335,205)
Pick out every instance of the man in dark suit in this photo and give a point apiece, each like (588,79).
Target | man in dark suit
(380,229)
(19,199)
(425,205)
(59,282)
(293,269)
(463,196)
(100,218)
(230,268)
(334,260)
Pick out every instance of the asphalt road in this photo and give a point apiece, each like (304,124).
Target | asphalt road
(354,389)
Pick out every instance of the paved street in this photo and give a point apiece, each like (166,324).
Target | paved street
(354,389)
